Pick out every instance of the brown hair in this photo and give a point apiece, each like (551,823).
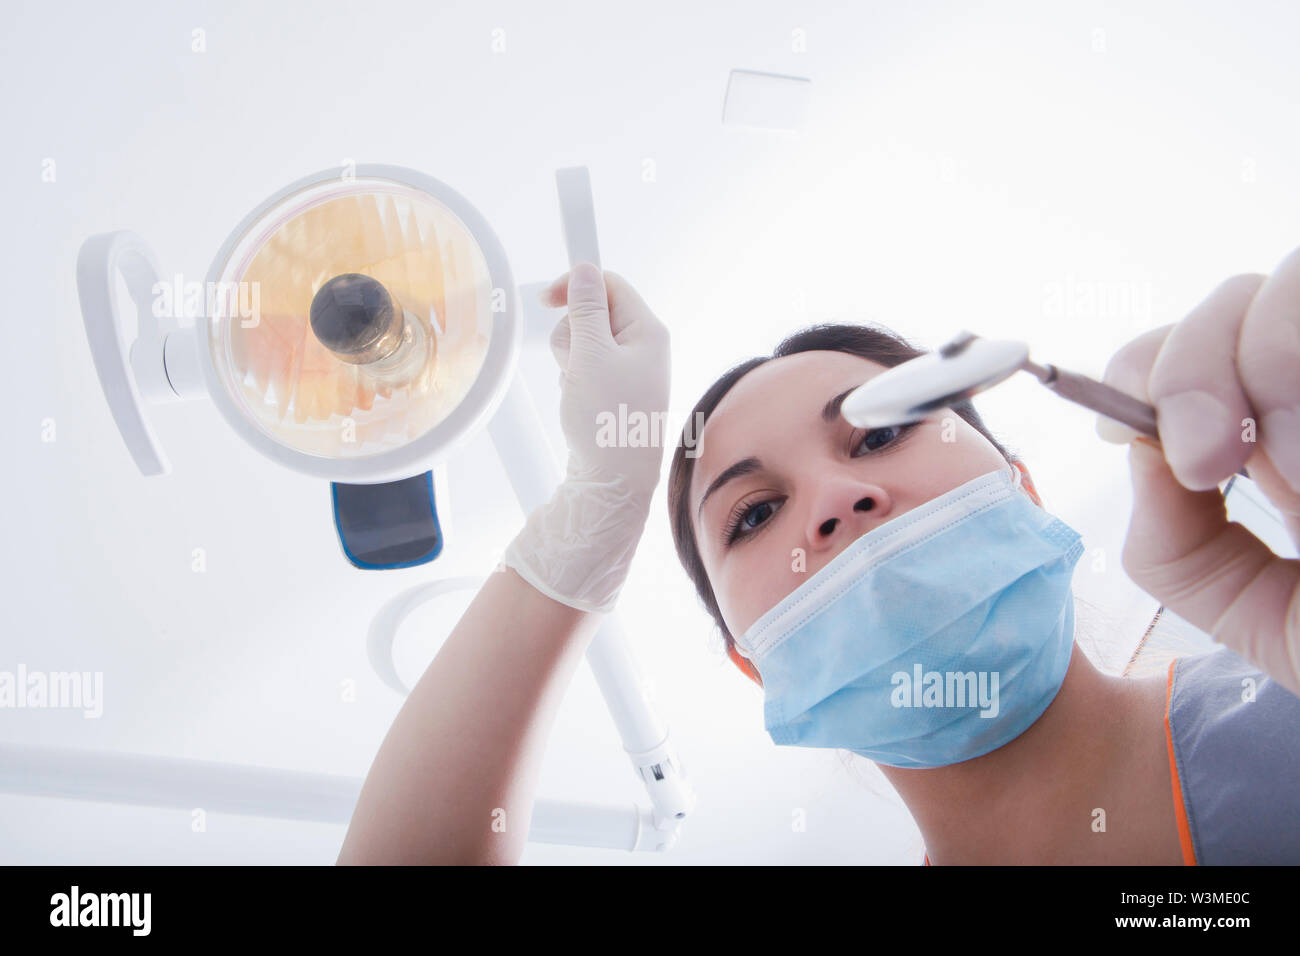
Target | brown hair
(876,343)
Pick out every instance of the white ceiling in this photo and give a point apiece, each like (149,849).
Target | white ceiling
(961,168)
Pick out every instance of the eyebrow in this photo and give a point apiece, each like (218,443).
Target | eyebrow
(747,466)
(832,409)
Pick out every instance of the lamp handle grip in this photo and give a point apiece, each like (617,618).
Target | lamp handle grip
(578,211)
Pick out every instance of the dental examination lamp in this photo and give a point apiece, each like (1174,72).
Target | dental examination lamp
(968,365)
(359,328)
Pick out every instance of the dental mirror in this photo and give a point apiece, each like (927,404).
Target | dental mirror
(968,365)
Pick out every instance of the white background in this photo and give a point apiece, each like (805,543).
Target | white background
(1000,167)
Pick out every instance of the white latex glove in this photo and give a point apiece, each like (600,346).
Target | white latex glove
(1225,384)
(612,351)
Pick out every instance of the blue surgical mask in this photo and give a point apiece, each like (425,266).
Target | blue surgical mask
(934,638)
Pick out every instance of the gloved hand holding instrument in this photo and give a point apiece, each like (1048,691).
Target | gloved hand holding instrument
(1200,400)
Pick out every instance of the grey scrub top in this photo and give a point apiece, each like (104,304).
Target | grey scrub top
(1233,738)
(1234,748)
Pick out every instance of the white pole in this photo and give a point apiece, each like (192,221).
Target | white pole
(185,784)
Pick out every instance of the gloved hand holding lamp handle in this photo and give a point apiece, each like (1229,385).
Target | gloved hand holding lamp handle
(454,779)
(612,351)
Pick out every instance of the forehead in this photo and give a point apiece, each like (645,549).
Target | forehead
(782,397)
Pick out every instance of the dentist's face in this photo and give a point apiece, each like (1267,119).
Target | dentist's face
(783,483)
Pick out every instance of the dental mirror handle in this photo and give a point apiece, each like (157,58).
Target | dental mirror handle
(1103,399)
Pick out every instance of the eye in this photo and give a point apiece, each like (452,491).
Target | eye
(874,439)
(746,517)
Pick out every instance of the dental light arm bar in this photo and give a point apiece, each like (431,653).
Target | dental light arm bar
(184,784)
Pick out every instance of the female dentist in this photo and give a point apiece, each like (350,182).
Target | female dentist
(781,476)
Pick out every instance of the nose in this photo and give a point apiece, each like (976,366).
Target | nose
(842,510)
